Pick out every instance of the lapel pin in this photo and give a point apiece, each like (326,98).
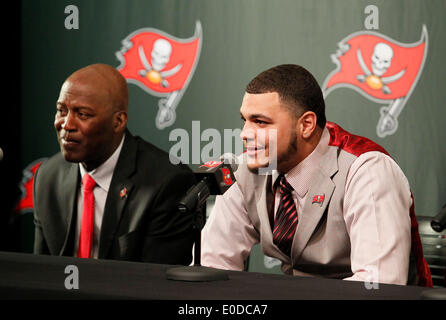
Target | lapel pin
(319,199)
(123,193)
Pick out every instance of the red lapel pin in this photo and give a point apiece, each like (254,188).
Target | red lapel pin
(319,199)
(123,193)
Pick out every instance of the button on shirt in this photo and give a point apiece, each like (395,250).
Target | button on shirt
(103,176)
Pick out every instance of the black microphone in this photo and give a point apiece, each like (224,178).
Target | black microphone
(439,222)
(215,177)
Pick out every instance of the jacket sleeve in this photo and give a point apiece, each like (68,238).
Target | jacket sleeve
(376,211)
(228,236)
(170,235)
(40,246)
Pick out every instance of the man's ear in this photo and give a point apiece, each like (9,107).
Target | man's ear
(120,121)
(307,124)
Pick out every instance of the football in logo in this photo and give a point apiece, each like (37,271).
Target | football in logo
(162,65)
(381,69)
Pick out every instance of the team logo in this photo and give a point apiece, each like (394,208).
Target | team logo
(211,164)
(123,193)
(162,65)
(25,203)
(226,176)
(381,69)
(319,199)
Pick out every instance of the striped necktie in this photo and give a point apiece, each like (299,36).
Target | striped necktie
(286,219)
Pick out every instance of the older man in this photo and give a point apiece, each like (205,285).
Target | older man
(108,194)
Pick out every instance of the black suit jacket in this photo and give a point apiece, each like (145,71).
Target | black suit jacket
(142,225)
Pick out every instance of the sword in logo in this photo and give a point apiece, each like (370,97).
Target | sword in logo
(381,69)
(162,65)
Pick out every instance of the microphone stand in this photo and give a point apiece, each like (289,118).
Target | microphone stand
(438,223)
(197,272)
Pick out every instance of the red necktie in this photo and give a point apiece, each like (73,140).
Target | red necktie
(86,235)
(285,222)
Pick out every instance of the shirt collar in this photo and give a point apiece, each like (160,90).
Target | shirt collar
(104,173)
(300,176)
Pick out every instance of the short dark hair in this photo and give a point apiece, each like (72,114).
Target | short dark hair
(296,87)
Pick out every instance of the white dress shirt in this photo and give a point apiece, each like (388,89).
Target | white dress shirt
(103,176)
(380,242)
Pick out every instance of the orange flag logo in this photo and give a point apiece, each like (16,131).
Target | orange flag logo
(382,69)
(162,65)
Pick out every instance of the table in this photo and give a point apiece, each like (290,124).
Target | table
(28,276)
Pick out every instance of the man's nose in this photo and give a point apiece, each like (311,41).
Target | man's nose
(247,133)
(68,122)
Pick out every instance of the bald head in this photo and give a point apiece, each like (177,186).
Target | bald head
(106,80)
(91,115)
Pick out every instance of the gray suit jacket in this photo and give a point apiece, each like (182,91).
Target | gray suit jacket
(313,246)
(321,244)
(143,225)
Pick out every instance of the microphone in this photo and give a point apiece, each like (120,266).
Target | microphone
(439,222)
(215,177)
(1,154)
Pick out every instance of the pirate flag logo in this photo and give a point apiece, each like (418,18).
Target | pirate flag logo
(381,69)
(25,204)
(226,176)
(162,65)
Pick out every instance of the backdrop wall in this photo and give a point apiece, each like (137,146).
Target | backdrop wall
(239,39)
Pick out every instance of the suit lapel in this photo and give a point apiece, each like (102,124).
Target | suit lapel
(68,198)
(314,208)
(118,194)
